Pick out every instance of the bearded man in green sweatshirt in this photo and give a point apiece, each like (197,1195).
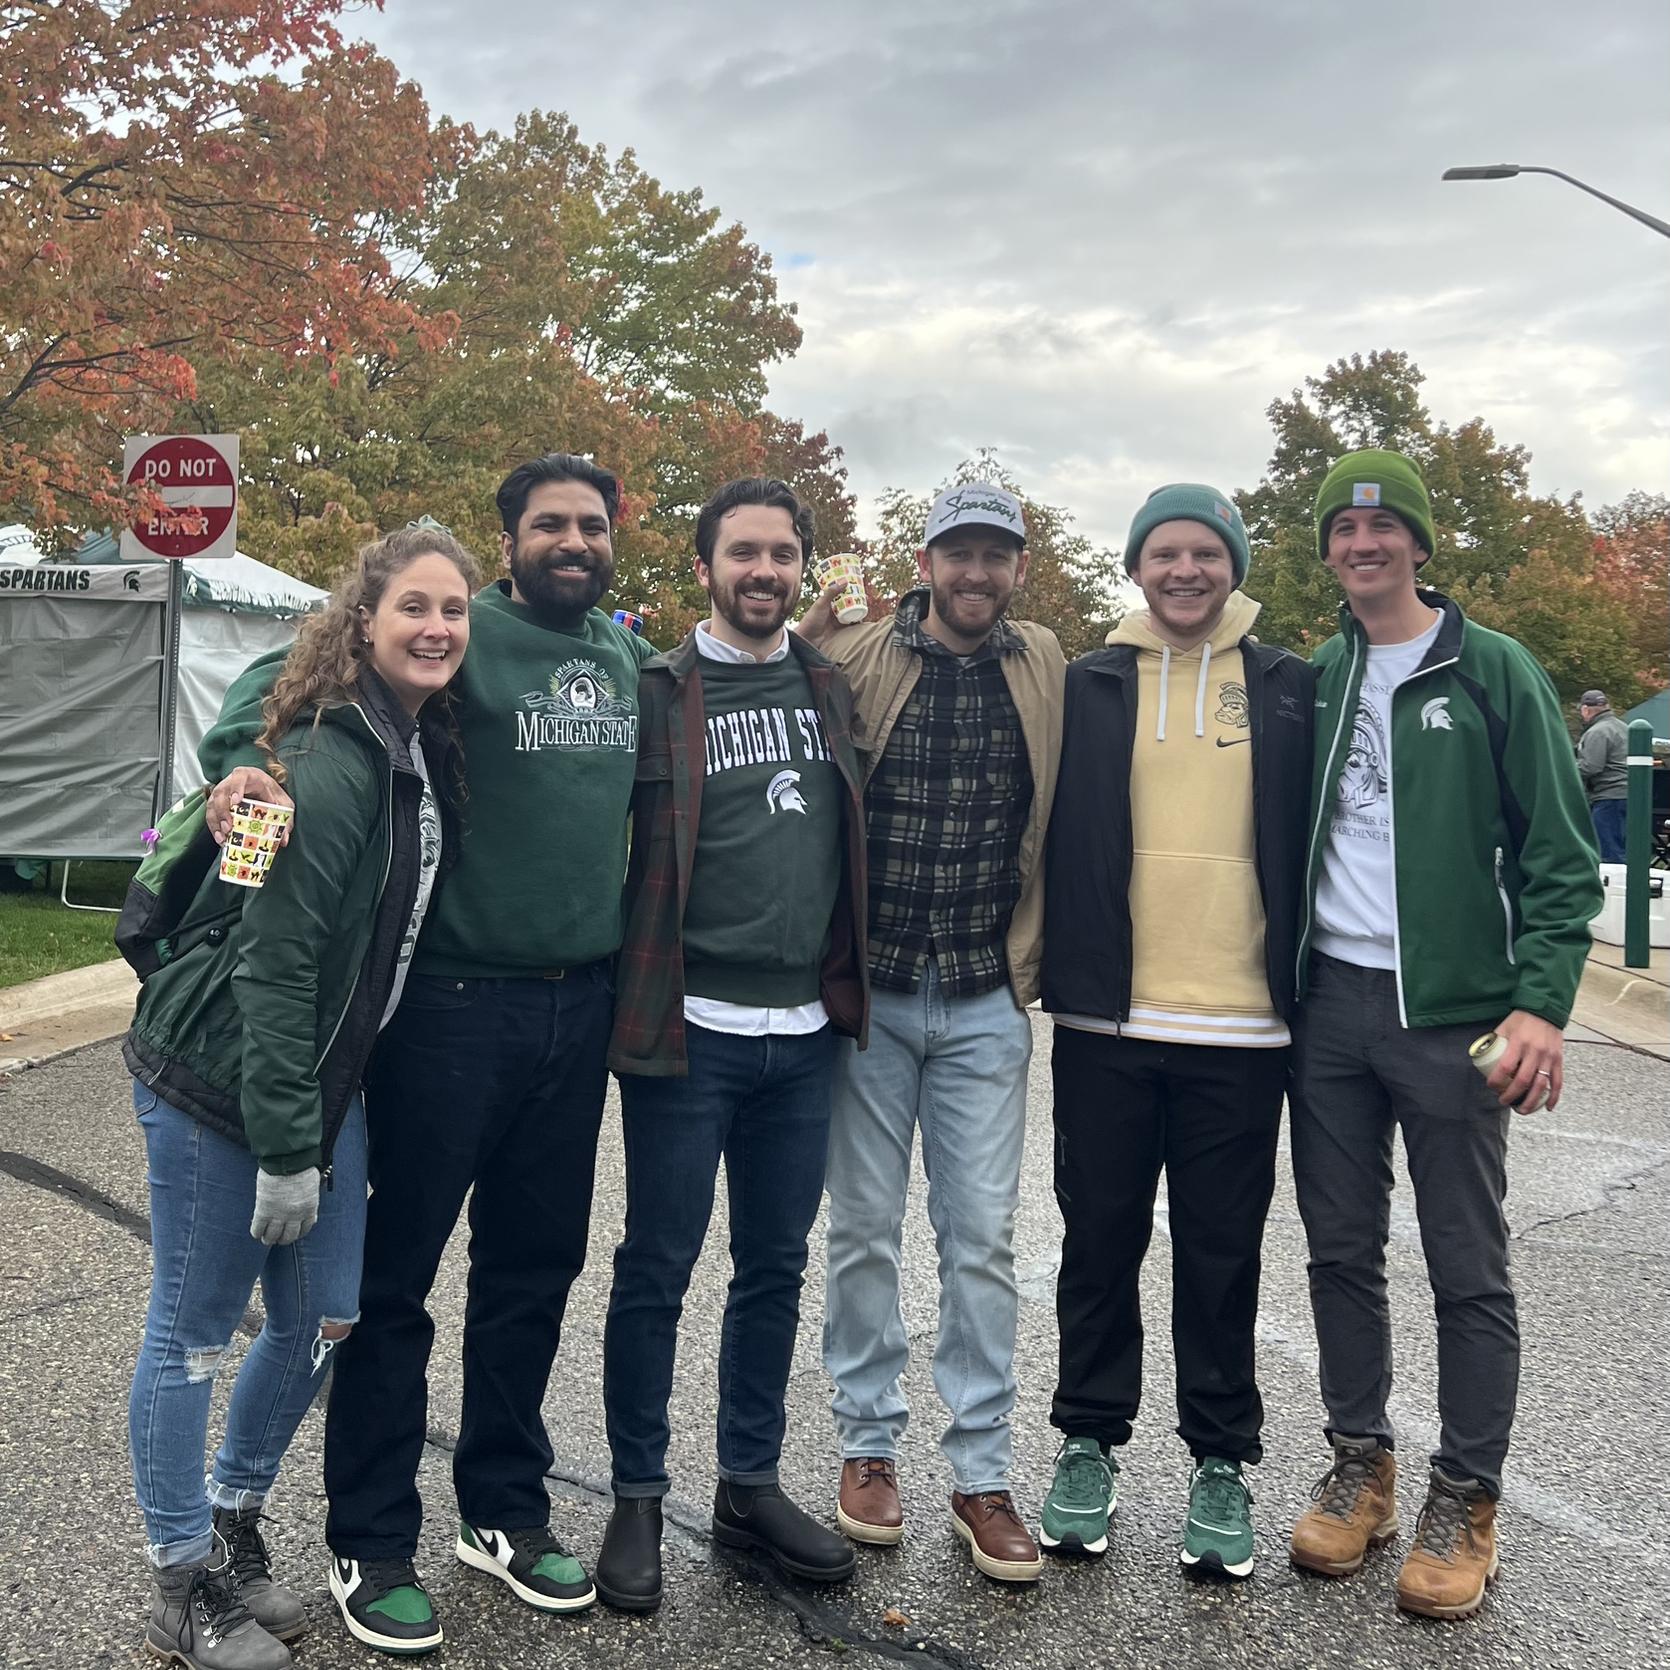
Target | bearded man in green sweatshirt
(1171,907)
(492,1072)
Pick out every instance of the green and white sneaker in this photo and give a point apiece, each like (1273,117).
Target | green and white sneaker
(1218,1535)
(1081,1499)
(384,1605)
(535,1566)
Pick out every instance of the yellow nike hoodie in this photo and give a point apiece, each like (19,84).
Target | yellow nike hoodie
(1197,920)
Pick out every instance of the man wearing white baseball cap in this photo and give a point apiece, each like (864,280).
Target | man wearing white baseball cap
(961,715)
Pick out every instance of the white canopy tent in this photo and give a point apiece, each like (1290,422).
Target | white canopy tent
(85,688)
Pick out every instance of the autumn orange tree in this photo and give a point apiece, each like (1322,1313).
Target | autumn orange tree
(183,182)
(595,310)
(1519,562)
(1632,564)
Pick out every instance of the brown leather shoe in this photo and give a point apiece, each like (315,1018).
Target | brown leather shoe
(1453,1561)
(1354,1509)
(997,1537)
(869,1509)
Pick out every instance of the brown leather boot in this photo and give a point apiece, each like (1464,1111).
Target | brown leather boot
(997,1537)
(869,1509)
(1354,1509)
(1453,1561)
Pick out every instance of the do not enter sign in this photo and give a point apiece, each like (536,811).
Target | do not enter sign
(196,477)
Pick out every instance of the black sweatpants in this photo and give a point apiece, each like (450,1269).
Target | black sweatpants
(1125,1108)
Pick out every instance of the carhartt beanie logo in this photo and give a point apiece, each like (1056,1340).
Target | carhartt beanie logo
(1376,479)
(1191,501)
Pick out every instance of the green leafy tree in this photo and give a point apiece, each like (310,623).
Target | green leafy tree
(1515,561)
(1074,588)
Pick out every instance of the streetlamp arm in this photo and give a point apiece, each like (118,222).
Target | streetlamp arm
(1629,209)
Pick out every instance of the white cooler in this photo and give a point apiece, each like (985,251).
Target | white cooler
(1609,925)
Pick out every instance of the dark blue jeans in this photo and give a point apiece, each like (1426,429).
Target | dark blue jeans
(762,1104)
(497,1084)
(1611,819)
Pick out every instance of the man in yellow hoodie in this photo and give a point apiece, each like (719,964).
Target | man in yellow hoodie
(1173,880)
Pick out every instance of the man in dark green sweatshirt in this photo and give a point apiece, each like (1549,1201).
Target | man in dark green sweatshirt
(492,1072)
(743,957)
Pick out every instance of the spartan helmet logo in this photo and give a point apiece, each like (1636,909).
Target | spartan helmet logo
(1435,715)
(1232,706)
(582,694)
(783,794)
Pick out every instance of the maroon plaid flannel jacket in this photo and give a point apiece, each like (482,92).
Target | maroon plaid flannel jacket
(666,821)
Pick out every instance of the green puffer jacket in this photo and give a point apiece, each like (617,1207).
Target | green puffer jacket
(261,1023)
(1493,849)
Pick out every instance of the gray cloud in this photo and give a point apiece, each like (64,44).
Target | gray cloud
(1103,237)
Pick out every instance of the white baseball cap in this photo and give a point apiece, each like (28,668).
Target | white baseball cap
(975,504)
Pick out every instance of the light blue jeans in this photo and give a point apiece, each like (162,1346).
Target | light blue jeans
(205,1265)
(956,1067)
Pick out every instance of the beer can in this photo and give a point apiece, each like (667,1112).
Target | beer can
(1485,1052)
(633,623)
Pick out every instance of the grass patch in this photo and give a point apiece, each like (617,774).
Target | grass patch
(39,936)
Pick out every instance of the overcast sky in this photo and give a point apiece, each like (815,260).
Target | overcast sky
(1102,235)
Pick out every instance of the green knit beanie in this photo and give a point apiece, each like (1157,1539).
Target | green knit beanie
(1377,480)
(1189,501)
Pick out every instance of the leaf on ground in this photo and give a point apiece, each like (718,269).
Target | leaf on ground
(894,1617)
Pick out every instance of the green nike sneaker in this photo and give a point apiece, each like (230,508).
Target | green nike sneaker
(1081,1500)
(385,1605)
(1218,1534)
(533,1564)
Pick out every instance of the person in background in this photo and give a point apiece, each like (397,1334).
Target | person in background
(1450,878)
(247,1051)
(1176,858)
(1603,763)
(961,714)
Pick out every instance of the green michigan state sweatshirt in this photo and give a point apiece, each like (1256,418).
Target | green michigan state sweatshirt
(550,732)
(768,850)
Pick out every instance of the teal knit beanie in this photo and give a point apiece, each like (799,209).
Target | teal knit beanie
(1378,480)
(1189,501)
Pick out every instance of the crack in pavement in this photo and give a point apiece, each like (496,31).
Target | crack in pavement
(1611,1190)
(39,1175)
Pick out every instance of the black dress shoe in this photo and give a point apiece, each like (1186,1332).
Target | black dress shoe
(761,1517)
(628,1570)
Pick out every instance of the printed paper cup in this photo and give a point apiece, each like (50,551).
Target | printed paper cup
(852,602)
(258,829)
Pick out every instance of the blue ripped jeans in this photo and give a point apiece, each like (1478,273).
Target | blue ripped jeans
(205,1265)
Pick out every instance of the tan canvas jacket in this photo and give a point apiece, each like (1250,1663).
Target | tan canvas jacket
(882,673)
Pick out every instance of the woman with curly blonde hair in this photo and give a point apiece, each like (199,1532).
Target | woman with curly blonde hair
(247,1051)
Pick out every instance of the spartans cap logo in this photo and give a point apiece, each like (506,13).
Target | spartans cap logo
(1435,715)
(782,794)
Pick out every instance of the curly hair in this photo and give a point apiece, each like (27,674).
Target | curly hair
(323,666)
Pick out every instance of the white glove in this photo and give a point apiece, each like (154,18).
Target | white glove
(286,1208)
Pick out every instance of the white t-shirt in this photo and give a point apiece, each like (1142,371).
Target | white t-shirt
(1356,895)
(429,861)
(748,1020)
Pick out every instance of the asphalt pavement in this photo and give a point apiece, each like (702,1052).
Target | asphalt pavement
(1585,1526)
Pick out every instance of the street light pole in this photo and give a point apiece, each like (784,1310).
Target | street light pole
(1507,170)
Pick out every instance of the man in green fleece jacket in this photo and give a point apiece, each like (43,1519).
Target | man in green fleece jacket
(492,1072)
(1450,878)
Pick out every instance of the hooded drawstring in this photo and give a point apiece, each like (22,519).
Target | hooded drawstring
(1200,690)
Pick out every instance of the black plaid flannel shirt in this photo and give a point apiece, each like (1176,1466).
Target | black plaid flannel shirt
(946,807)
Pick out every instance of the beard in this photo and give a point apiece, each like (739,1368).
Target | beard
(946,603)
(734,611)
(560,599)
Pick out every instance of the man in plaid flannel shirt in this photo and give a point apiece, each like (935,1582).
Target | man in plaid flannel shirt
(961,713)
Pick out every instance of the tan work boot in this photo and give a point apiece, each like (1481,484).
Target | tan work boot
(1354,1509)
(1453,1561)
(869,1510)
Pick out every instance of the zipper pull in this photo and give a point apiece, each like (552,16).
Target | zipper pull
(330,1182)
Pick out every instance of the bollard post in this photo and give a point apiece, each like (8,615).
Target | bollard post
(1638,846)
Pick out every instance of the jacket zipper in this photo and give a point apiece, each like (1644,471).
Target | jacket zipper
(388,864)
(1507,910)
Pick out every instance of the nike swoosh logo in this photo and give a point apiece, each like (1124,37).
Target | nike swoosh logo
(1231,741)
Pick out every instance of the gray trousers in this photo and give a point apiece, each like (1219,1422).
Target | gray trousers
(1357,1075)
